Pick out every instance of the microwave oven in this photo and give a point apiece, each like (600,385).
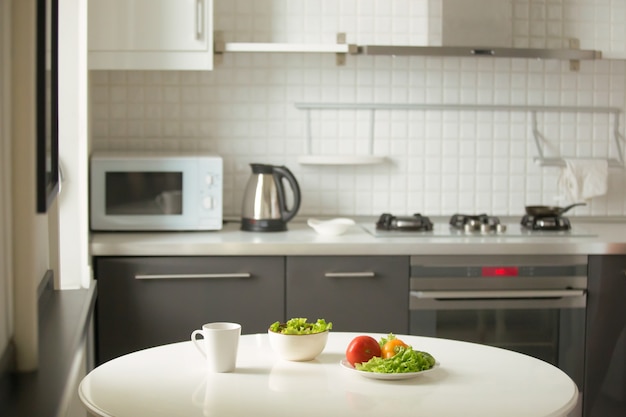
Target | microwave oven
(155,191)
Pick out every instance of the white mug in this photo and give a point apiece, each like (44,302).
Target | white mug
(221,341)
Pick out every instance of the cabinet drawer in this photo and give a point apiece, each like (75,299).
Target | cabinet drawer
(356,293)
(144,302)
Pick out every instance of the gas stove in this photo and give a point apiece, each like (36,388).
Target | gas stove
(467,226)
(414,223)
(554,223)
(477,223)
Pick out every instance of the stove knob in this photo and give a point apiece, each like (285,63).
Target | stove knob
(501,228)
(485,228)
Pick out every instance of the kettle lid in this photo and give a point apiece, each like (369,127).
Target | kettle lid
(262,169)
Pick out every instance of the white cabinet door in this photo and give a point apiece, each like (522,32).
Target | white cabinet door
(150,34)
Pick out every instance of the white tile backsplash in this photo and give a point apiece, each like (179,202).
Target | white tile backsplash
(439,162)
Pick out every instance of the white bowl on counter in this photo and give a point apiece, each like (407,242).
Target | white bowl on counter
(332,227)
(298,347)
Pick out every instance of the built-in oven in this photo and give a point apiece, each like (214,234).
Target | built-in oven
(530,304)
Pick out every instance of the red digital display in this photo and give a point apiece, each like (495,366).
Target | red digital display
(500,271)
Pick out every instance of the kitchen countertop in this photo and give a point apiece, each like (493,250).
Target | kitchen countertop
(601,236)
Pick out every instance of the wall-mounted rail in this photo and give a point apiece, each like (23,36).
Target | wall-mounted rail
(538,137)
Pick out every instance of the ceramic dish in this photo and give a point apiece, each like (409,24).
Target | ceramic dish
(376,375)
(298,347)
(332,227)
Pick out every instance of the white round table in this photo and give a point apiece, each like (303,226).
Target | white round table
(471,380)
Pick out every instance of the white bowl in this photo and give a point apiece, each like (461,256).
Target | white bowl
(298,347)
(332,227)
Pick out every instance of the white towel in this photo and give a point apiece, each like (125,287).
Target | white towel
(582,179)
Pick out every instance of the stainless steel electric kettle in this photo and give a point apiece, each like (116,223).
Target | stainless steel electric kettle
(264,201)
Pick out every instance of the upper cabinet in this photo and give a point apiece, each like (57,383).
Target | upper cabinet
(150,34)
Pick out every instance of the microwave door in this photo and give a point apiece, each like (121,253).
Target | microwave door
(147,200)
(143,193)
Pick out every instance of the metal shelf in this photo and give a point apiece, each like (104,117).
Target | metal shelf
(369,159)
(341,160)
(285,47)
(559,162)
(342,48)
(538,137)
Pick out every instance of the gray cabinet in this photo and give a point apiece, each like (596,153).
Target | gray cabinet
(356,293)
(605,358)
(148,301)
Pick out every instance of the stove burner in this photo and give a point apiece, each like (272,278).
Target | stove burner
(460,221)
(550,223)
(415,223)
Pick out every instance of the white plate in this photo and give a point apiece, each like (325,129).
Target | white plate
(376,375)
(332,227)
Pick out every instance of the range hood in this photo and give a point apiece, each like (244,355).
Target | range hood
(460,51)
(485,28)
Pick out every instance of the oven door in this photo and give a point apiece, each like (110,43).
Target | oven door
(546,324)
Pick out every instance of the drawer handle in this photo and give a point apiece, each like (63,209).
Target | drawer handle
(350,274)
(194,276)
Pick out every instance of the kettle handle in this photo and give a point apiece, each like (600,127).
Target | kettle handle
(281,172)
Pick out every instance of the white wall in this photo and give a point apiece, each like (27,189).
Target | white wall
(30,241)
(74,269)
(440,162)
(25,256)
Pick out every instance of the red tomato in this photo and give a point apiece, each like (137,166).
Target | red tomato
(362,349)
(391,348)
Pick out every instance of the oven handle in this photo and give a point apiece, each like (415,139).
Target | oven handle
(461,295)
(479,300)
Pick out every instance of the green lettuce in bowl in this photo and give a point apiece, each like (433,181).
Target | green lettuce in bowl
(297,340)
(301,326)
